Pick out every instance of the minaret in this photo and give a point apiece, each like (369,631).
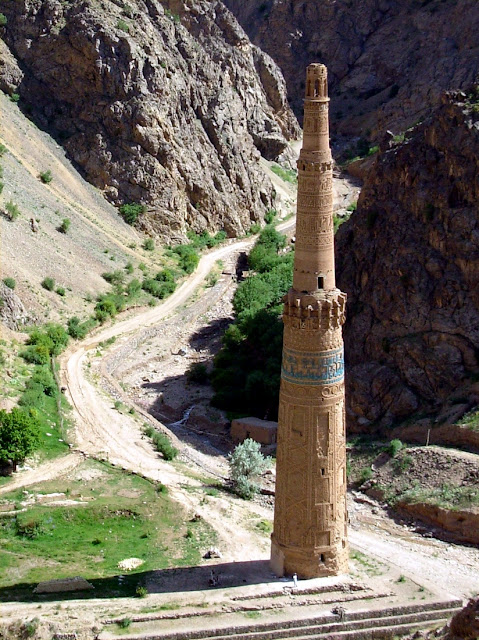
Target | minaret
(310,515)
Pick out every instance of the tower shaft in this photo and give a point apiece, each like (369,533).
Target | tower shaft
(310,517)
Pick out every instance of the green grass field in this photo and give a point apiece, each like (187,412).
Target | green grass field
(124,516)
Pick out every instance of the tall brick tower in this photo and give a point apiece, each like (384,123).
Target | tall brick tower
(310,516)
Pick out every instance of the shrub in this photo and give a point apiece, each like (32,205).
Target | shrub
(166,275)
(12,210)
(48,284)
(3,19)
(46,176)
(114,277)
(129,268)
(105,308)
(188,258)
(14,97)
(77,329)
(9,282)
(3,149)
(141,592)
(270,215)
(123,26)
(246,463)
(394,447)
(197,372)
(149,244)
(124,623)
(131,211)
(162,443)
(365,475)
(19,435)
(60,291)
(65,225)
(1,187)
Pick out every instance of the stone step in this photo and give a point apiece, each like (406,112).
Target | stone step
(334,628)
(322,626)
(374,633)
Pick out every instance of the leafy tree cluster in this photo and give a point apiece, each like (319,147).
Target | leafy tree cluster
(204,240)
(19,435)
(43,343)
(131,211)
(246,372)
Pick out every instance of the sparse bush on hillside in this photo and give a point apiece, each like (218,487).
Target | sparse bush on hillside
(205,240)
(123,26)
(188,258)
(3,149)
(162,443)
(131,211)
(197,372)
(65,225)
(3,19)
(48,283)
(9,282)
(394,447)
(60,291)
(149,244)
(12,210)
(14,97)
(46,176)
(77,329)
(114,277)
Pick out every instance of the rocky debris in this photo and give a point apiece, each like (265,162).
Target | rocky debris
(130,563)
(10,73)
(213,553)
(63,584)
(12,312)
(409,262)
(167,107)
(388,62)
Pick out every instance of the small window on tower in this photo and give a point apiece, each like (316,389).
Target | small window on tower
(320,282)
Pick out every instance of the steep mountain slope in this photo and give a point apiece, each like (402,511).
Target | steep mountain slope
(97,240)
(409,261)
(388,60)
(166,106)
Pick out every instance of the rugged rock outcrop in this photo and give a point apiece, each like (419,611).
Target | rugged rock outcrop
(166,105)
(409,262)
(388,60)
(12,312)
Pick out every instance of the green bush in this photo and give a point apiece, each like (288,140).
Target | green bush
(162,443)
(149,244)
(188,258)
(65,225)
(124,623)
(1,187)
(114,277)
(14,97)
(60,291)
(246,464)
(394,447)
(46,176)
(197,372)
(12,210)
(9,282)
(131,211)
(129,268)
(3,19)
(365,475)
(3,150)
(123,26)
(19,435)
(48,283)
(77,329)
(105,308)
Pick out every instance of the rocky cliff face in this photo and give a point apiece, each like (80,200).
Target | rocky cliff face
(165,105)
(409,261)
(388,60)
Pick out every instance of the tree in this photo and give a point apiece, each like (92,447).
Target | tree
(19,435)
(246,464)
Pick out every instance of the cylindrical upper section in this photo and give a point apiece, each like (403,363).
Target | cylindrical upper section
(314,253)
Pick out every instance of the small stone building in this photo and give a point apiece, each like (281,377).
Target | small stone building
(262,431)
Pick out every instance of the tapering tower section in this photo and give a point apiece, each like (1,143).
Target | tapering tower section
(310,517)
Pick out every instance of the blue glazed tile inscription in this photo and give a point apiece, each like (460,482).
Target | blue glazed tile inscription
(325,367)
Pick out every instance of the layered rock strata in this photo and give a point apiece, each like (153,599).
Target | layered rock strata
(409,262)
(388,60)
(168,105)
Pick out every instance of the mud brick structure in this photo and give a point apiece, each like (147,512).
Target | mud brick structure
(310,536)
